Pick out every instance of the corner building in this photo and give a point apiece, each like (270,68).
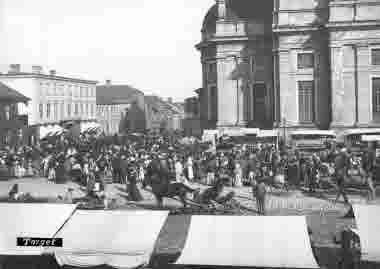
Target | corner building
(302,64)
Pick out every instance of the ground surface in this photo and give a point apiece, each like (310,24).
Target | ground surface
(324,217)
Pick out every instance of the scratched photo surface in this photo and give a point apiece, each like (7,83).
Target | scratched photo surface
(211,134)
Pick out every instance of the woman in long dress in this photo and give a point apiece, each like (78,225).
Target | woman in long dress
(190,170)
(238,175)
(133,191)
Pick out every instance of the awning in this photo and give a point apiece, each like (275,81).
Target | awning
(248,242)
(30,220)
(268,133)
(314,132)
(121,239)
(368,221)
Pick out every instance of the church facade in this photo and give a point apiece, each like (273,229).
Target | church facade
(299,64)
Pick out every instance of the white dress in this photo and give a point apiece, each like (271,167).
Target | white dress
(190,170)
(238,176)
(178,171)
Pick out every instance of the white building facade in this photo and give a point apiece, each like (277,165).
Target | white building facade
(53,98)
(111,116)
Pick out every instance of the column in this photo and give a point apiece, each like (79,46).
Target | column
(227,93)
(241,103)
(288,94)
(364,86)
(343,86)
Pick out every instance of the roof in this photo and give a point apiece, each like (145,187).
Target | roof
(46,76)
(257,242)
(116,94)
(11,95)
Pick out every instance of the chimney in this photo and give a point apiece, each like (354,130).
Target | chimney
(37,69)
(53,72)
(14,68)
(108,82)
(170,100)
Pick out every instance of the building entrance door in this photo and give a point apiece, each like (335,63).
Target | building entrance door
(259,106)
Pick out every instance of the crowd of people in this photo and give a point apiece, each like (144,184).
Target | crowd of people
(93,162)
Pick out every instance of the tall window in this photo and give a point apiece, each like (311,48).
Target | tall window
(376,99)
(214,103)
(69,110)
(87,109)
(55,111)
(305,60)
(62,105)
(252,64)
(76,109)
(306,101)
(211,72)
(41,110)
(375,56)
(7,111)
(48,111)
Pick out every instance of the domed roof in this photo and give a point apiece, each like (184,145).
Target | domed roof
(239,10)
(209,22)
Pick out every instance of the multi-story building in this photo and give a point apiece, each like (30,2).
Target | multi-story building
(120,108)
(53,99)
(192,121)
(11,125)
(163,115)
(293,63)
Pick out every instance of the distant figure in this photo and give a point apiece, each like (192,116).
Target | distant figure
(13,193)
(341,164)
(259,191)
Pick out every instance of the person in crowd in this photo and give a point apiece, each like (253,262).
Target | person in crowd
(133,191)
(238,175)
(178,169)
(341,165)
(369,166)
(259,191)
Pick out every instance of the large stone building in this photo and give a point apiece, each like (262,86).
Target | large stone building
(163,115)
(120,108)
(192,121)
(298,63)
(53,99)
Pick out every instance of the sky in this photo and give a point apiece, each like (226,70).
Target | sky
(148,44)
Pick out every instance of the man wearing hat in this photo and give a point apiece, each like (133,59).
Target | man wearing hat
(341,166)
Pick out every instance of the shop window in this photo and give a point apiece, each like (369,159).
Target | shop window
(41,110)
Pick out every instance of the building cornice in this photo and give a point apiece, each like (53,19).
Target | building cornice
(231,39)
(345,3)
(352,24)
(295,29)
(49,77)
(300,10)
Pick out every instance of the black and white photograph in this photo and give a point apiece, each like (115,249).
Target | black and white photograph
(189,134)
